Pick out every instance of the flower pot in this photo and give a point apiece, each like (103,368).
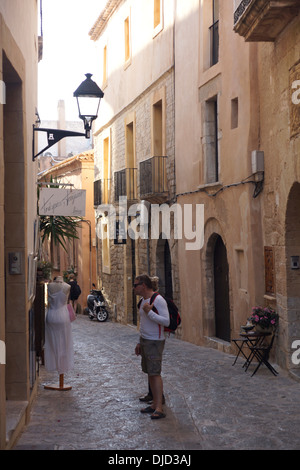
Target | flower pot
(260,329)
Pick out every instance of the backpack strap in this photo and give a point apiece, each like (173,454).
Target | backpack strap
(153,297)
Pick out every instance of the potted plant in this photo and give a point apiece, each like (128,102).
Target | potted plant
(264,318)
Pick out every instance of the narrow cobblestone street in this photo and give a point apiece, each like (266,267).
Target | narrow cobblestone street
(210,404)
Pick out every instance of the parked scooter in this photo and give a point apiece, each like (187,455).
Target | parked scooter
(96,305)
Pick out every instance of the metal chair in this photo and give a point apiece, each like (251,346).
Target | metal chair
(240,342)
(262,353)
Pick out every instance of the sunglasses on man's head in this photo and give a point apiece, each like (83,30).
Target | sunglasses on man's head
(137,284)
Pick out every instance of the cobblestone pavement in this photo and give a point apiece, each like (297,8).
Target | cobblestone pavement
(210,404)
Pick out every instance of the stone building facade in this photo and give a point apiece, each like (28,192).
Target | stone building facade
(134,149)
(216,131)
(275,31)
(234,68)
(243,166)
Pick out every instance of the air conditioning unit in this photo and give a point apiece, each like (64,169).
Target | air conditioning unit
(257,159)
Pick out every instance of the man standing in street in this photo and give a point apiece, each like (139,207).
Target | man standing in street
(153,318)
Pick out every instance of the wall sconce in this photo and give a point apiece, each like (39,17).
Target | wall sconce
(88,96)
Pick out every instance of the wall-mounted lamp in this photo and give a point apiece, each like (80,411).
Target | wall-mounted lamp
(88,96)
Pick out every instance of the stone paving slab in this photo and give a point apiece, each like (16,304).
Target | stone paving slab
(210,404)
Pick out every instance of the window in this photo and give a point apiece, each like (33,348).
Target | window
(130,157)
(106,171)
(158,138)
(130,160)
(102,186)
(214,33)
(127,39)
(157,12)
(158,128)
(157,16)
(97,193)
(210,141)
(234,113)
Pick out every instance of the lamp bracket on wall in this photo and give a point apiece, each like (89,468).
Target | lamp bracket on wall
(53,136)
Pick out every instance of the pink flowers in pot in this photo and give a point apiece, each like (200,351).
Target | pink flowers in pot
(265,317)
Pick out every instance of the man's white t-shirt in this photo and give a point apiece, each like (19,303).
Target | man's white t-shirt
(152,324)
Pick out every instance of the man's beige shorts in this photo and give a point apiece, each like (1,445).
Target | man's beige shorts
(152,351)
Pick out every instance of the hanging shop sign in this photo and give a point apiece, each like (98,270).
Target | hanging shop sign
(62,202)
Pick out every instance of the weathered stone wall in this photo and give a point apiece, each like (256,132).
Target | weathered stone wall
(280,141)
(118,283)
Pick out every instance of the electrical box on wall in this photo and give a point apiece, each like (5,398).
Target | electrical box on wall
(15,263)
(295,262)
(257,160)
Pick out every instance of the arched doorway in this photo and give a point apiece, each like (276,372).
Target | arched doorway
(164,268)
(292,243)
(221,291)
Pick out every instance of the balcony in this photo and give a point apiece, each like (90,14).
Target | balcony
(153,180)
(264,20)
(125,184)
(101,192)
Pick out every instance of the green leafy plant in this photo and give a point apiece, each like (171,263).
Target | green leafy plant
(59,229)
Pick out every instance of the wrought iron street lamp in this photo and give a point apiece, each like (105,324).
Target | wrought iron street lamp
(88,96)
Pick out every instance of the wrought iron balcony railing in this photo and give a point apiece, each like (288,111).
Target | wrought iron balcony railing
(153,179)
(125,184)
(264,20)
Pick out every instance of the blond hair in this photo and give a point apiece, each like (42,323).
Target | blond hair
(155,282)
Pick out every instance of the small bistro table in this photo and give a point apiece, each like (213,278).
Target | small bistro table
(250,340)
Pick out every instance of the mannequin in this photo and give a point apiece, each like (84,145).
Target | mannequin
(59,354)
